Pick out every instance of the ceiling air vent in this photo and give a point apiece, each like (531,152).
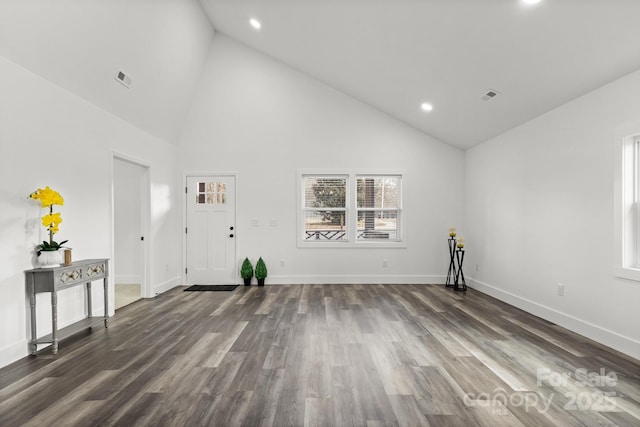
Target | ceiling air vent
(123,78)
(490,95)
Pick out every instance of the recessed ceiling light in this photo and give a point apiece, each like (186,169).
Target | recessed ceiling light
(255,23)
(531,1)
(426,106)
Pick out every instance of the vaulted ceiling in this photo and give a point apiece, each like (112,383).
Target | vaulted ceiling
(397,54)
(391,54)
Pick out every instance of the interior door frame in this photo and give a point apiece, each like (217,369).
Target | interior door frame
(185,175)
(145,207)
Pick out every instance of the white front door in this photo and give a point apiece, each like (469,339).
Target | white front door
(211,213)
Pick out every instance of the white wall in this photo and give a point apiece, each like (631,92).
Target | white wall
(263,120)
(539,211)
(49,136)
(127,211)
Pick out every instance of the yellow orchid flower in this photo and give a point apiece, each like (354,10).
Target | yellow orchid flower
(47,197)
(51,219)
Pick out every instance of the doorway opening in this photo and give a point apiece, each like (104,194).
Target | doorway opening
(130,201)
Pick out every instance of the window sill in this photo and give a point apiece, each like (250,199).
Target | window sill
(352,245)
(627,273)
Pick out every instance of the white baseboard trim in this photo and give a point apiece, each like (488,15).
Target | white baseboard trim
(165,286)
(358,280)
(17,351)
(14,352)
(597,333)
(127,279)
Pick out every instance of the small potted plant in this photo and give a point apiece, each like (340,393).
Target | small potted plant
(261,271)
(246,271)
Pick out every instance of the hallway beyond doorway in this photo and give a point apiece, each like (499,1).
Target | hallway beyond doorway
(126,294)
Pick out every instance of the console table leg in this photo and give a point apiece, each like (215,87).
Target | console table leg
(106,302)
(89,308)
(54,322)
(32,303)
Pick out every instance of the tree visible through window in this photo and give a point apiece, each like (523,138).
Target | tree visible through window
(325,207)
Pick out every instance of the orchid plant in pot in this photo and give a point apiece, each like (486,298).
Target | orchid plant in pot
(49,254)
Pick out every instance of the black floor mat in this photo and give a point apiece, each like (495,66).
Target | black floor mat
(211,288)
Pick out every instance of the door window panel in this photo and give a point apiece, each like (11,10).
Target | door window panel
(211,193)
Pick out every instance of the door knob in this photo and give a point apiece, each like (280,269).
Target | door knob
(231,228)
(230,235)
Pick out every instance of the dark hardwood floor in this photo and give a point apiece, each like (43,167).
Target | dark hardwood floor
(324,355)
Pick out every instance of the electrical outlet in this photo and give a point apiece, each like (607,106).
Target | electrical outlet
(385,263)
(476,267)
(282,262)
(560,289)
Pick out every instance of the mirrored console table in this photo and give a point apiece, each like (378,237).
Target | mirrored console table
(55,279)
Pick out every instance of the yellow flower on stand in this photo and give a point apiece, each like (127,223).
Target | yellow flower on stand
(460,243)
(452,231)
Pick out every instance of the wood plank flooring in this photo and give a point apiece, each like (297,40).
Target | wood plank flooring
(323,355)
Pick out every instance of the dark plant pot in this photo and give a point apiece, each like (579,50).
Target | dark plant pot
(247,282)
(260,282)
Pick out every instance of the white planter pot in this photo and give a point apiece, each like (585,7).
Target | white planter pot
(48,259)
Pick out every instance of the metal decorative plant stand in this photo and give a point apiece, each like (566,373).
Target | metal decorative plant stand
(455,275)
(459,283)
(452,273)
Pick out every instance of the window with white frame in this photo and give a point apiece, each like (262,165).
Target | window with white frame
(634,226)
(325,207)
(378,207)
(627,203)
(350,209)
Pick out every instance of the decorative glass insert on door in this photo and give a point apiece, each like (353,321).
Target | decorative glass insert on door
(211,193)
